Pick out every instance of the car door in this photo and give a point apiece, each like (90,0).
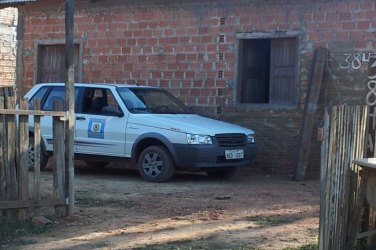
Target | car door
(100,124)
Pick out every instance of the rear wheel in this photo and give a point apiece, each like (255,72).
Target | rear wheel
(31,155)
(223,173)
(97,164)
(155,164)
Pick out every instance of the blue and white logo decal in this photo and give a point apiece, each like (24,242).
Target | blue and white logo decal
(96,128)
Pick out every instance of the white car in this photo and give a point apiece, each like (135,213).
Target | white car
(147,125)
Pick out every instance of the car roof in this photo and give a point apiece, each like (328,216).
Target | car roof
(116,85)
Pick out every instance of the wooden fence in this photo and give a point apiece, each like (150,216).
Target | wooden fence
(20,190)
(342,185)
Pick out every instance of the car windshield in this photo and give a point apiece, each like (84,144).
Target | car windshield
(151,100)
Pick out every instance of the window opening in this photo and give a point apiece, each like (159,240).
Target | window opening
(267,71)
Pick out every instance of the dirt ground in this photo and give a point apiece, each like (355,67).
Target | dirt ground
(116,209)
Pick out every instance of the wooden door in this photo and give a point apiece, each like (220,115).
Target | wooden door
(51,63)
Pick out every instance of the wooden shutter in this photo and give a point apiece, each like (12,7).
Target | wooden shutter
(283,69)
(51,63)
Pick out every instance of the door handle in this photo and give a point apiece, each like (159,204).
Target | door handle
(80,118)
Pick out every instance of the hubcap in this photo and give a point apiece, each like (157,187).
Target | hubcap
(152,164)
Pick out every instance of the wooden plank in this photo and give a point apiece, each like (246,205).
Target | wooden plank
(34,112)
(366,234)
(23,178)
(323,242)
(2,153)
(320,56)
(59,160)
(12,187)
(37,151)
(69,96)
(14,204)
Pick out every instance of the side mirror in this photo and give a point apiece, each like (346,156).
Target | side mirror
(108,110)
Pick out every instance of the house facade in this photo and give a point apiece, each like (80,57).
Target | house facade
(8,48)
(244,61)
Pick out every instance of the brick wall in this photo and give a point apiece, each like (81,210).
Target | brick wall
(176,45)
(8,23)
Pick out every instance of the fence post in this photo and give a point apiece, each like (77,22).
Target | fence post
(37,151)
(59,159)
(23,180)
(10,162)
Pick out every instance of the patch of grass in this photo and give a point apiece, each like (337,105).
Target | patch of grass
(90,202)
(11,230)
(305,247)
(268,221)
(193,245)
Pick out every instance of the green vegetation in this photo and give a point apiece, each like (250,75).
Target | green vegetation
(12,229)
(305,247)
(193,245)
(268,221)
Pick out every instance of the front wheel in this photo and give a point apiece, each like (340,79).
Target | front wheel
(155,164)
(31,156)
(223,173)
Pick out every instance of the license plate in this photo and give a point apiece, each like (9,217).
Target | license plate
(234,154)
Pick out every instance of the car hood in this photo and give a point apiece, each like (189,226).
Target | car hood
(188,123)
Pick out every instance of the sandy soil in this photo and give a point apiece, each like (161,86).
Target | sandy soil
(116,209)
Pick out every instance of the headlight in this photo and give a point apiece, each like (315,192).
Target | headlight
(250,138)
(198,139)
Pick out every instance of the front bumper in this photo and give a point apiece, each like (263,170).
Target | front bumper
(210,156)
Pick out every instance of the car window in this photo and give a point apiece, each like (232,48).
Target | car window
(151,100)
(100,101)
(39,94)
(56,94)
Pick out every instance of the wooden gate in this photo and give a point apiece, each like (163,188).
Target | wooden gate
(341,184)
(20,189)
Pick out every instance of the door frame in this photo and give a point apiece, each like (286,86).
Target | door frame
(41,42)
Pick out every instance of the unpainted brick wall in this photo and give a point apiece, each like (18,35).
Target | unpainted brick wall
(190,48)
(8,23)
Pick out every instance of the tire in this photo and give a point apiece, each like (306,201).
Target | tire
(223,173)
(31,155)
(97,164)
(155,164)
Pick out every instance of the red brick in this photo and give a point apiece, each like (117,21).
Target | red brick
(196,39)
(183,66)
(141,58)
(356,35)
(369,35)
(164,83)
(345,16)
(349,25)
(125,50)
(152,41)
(363,24)
(371,14)
(179,74)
